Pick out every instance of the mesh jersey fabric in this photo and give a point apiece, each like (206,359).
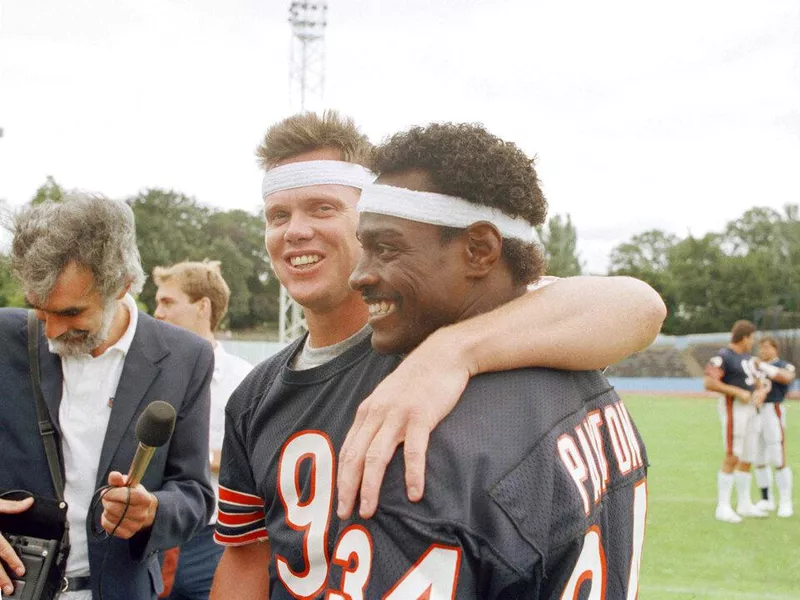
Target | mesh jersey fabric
(736,369)
(506,509)
(778,391)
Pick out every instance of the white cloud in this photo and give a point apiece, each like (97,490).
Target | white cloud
(679,116)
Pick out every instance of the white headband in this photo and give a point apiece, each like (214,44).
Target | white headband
(442,210)
(315,172)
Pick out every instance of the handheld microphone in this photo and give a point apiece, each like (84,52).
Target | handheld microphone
(153,430)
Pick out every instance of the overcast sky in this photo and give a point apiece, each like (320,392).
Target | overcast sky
(678,115)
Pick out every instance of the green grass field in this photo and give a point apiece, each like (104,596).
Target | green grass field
(687,553)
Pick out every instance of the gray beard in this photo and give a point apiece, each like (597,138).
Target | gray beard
(77,343)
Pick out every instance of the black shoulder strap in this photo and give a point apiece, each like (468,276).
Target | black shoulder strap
(46,428)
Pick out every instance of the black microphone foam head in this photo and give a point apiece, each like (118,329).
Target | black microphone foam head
(155,425)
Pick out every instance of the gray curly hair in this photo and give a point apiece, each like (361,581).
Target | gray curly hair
(89,229)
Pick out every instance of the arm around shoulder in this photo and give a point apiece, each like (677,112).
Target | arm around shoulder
(576,323)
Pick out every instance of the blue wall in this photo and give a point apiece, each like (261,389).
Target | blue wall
(255,352)
(658,384)
(666,384)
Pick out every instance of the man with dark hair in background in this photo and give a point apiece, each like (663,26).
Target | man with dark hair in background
(102,361)
(286,422)
(194,295)
(732,372)
(772,448)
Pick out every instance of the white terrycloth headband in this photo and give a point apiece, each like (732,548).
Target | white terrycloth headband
(315,172)
(442,210)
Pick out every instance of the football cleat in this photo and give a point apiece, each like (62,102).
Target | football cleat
(765,505)
(785,510)
(751,511)
(727,514)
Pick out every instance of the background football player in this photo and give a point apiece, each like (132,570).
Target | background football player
(772,449)
(733,373)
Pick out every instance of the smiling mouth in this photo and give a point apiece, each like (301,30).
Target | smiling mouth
(382,308)
(304,260)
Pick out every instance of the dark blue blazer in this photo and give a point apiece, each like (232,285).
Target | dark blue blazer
(163,363)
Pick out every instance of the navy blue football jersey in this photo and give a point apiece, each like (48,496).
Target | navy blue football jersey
(535,488)
(733,368)
(779,390)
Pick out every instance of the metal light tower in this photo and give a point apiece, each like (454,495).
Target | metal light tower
(307,58)
(306,84)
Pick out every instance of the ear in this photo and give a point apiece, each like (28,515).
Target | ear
(205,307)
(484,248)
(124,291)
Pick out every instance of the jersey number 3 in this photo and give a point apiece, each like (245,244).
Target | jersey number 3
(434,576)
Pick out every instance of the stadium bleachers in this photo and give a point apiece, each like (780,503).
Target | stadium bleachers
(685,357)
(655,361)
(703,352)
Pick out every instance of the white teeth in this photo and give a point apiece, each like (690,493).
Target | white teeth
(380,309)
(306,259)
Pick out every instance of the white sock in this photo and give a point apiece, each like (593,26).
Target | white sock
(724,488)
(783,478)
(743,489)
(764,479)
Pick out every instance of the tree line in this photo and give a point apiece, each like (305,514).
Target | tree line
(750,268)
(707,282)
(172,227)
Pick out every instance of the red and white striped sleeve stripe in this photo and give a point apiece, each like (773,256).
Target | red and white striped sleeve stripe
(240,519)
(234,498)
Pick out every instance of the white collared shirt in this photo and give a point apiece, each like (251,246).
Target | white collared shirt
(86,399)
(229,370)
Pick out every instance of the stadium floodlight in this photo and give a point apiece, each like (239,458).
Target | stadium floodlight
(306,85)
(307,59)
(308,19)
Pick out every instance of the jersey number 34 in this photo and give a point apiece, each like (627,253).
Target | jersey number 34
(434,576)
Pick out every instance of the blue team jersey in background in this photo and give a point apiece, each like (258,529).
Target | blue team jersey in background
(737,369)
(778,390)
